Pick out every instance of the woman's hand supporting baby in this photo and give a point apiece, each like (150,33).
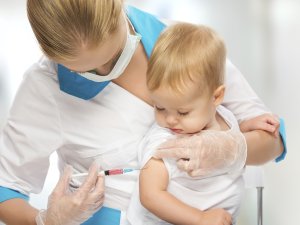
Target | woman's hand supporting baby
(215,152)
(208,153)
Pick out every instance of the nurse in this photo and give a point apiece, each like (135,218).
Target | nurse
(87,100)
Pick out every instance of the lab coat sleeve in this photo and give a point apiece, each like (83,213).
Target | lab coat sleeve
(240,98)
(32,132)
(243,102)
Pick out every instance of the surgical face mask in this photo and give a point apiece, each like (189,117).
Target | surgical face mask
(123,61)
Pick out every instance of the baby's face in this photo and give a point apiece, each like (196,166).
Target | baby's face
(183,114)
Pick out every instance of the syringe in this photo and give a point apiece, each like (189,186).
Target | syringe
(77,179)
(107,172)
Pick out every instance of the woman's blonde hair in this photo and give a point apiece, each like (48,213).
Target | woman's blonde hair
(63,27)
(185,52)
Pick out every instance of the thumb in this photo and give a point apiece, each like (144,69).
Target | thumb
(63,182)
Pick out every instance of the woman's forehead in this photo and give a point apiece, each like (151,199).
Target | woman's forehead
(89,59)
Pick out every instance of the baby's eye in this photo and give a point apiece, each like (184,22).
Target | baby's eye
(159,109)
(183,113)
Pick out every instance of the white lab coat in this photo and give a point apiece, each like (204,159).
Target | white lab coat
(107,129)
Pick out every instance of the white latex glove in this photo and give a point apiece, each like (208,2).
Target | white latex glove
(73,208)
(208,153)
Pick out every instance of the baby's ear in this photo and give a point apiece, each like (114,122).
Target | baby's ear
(219,95)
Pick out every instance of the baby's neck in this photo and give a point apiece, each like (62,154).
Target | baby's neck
(217,123)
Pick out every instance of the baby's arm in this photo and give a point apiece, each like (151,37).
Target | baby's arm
(266,122)
(154,197)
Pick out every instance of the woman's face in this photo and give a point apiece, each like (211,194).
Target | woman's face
(102,58)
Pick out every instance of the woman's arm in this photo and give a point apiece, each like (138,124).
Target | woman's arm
(154,196)
(16,212)
(262,147)
(244,103)
(269,146)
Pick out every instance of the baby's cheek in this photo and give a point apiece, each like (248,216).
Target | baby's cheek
(193,125)
(159,120)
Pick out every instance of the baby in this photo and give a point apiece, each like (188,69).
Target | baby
(185,78)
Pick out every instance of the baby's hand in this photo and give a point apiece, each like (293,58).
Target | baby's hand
(215,217)
(266,122)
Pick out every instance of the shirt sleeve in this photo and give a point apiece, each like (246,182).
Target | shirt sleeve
(151,141)
(243,102)
(32,132)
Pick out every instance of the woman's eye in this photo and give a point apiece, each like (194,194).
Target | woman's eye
(183,113)
(159,109)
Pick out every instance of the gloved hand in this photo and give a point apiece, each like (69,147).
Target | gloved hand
(73,208)
(208,153)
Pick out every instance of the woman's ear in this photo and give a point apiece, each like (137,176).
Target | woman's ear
(219,95)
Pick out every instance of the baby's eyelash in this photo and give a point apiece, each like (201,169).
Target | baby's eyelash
(183,113)
(159,109)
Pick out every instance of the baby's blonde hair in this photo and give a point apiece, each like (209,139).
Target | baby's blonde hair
(183,53)
(63,27)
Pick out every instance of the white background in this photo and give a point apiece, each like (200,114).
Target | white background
(263,41)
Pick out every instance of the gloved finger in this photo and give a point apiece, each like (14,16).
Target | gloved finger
(95,207)
(173,143)
(94,203)
(183,165)
(63,183)
(90,181)
(177,153)
(88,210)
(198,173)
(99,203)
(99,187)
(98,192)
(192,168)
